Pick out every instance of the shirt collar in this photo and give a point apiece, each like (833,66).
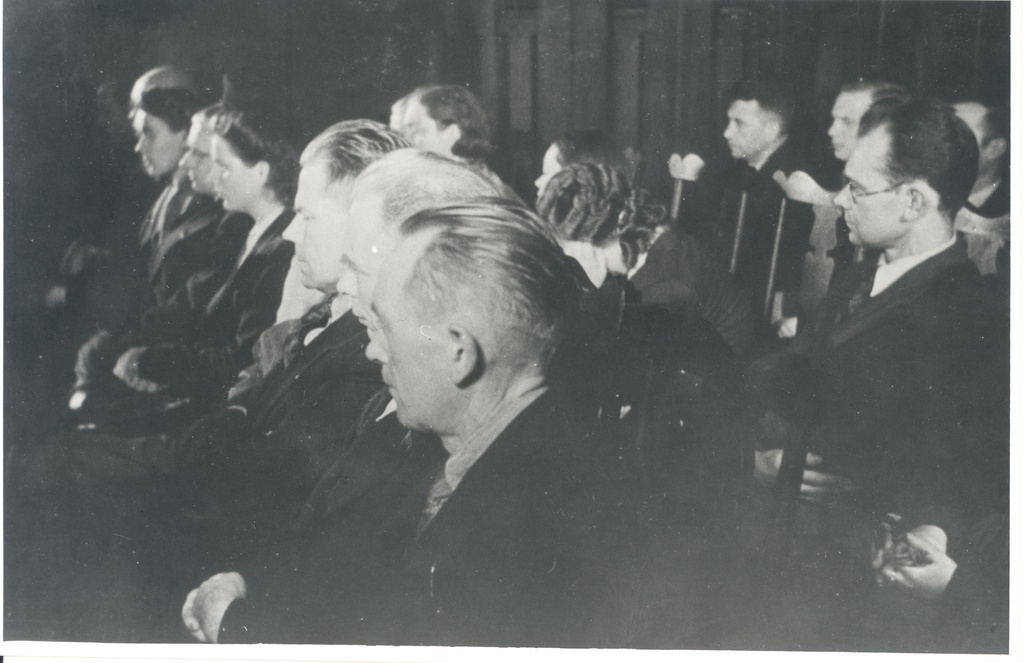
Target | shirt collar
(481,439)
(890,272)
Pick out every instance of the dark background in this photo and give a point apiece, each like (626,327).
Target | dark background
(651,72)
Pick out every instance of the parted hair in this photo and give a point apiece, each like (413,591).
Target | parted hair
(258,134)
(497,259)
(454,104)
(593,203)
(928,141)
(173,105)
(348,147)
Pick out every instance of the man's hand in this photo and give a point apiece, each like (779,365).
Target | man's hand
(801,187)
(815,487)
(206,604)
(127,370)
(926,579)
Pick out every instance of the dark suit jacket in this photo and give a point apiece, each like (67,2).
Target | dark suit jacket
(714,208)
(204,365)
(907,396)
(255,465)
(516,556)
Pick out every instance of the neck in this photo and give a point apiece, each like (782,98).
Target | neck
(759,160)
(487,399)
(928,234)
(264,210)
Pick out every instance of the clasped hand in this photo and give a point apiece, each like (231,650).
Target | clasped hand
(815,486)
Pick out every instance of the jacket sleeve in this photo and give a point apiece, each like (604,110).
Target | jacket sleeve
(208,366)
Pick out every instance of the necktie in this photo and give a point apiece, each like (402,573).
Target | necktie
(861,293)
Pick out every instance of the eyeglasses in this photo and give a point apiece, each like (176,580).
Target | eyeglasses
(856,193)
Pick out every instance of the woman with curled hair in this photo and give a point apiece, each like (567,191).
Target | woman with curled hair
(615,230)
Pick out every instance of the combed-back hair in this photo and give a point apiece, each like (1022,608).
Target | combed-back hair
(593,203)
(173,105)
(879,90)
(498,260)
(258,134)
(774,97)
(454,104)
(589,146)
(409,180)
(929,142)
(348,147)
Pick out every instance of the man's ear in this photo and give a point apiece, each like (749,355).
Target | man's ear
(465,355)
(262,171)
(452,133)
(922,198)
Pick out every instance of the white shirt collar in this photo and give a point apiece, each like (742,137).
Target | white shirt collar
(890,272)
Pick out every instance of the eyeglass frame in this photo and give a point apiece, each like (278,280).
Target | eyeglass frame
(856,196)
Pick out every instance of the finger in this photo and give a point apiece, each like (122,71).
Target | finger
(929,549)
(813,458)
(780,178)
(188,609)
(899,577)
(824,479)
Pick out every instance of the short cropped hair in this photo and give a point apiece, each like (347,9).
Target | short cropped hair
(589,146)
(347,148)
(928,141)
(258,134)
(173,105)
(453,104)
(409,180)
(497,260)
(591,203)
(773,97)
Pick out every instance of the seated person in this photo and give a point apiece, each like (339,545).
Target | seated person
(257,170)
(985,219)
(615,230)
(586,146)
(449,120)
(453,516)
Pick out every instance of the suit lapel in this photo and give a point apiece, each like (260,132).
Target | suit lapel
(196,218)
(906,289)
(269,240)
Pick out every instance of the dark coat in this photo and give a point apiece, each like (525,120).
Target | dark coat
(680,272)
(514,557)
(714,208)
(259,461)
(221,343)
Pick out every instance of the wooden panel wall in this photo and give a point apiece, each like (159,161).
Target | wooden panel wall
(653,72)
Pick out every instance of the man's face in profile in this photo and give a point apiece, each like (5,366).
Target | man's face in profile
(159,148)
(751,130)
(846,114)
(198,160)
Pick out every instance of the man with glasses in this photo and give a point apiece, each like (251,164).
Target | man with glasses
(891,405)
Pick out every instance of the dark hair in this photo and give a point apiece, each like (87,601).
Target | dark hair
(771,96)
(347,148)
(589,146)
(593,203)
(879,90)
(173,105)
(452,104)
(258,135)
(928,141)
(529,292)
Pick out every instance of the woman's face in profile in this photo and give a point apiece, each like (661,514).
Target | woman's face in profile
(551,165)
(238,183)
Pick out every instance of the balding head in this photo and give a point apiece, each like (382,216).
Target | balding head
(160,77)
(383,196)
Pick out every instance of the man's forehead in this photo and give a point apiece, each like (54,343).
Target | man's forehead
(869,155)
(746,109)
(852,104)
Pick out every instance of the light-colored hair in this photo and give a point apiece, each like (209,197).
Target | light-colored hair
(347,148)
(498,261)
(410,180)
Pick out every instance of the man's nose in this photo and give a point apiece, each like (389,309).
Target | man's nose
(293,233)
(844,198)
(374,351)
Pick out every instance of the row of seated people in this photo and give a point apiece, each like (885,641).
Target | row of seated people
(497,427)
